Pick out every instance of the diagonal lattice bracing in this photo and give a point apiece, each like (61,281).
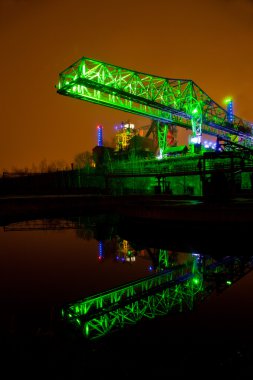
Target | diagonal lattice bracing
(178,289)
(173,101)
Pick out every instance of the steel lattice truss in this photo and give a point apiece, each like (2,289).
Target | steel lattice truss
(150,297)
(176,289)
(177,102)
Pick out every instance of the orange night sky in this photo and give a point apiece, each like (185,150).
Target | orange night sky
(208,41)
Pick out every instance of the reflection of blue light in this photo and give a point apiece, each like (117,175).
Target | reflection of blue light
(197,256)
(150,267)
(100,250)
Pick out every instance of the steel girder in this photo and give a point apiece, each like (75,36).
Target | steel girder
(175,101)
(179,288)
(149,297)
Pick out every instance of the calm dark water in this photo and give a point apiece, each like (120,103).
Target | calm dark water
(198,319)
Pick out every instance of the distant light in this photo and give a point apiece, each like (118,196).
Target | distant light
(160,156)
(229,282)
(208,144)
(196,140)
(127,125)
(100,135)
(228,100)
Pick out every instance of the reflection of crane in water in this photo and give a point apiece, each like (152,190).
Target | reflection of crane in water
(41,225)
(113,246)
(119,249)
(87,227)
(178,288)
(124,252)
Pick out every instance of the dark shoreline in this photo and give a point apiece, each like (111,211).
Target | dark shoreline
(22,205)
(153,208)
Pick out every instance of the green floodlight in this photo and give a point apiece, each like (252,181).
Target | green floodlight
(228,100)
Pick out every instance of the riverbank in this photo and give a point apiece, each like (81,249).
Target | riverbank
(149,208)
(74,204)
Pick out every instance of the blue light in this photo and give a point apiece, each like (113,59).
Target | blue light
(100,135)
(208,144)
(230,111)
(100,250)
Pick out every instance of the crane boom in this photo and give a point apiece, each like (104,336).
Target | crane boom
(178,102)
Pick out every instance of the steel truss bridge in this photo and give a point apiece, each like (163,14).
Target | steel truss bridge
(176,288)
(168,102)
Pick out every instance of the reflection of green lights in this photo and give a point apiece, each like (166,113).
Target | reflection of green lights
(195,111)
(127,304)
(196,280)
(175,289)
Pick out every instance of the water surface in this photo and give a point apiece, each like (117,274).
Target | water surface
(50,264)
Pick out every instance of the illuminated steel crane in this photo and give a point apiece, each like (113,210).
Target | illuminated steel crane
(178,288)
(169,102)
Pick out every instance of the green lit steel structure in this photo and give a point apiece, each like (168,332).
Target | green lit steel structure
(177,288)
(147,298)
(175,102)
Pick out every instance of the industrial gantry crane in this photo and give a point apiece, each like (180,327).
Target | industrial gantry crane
(178,288)
(168,102)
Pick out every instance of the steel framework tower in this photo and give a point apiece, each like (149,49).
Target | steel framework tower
(178,102)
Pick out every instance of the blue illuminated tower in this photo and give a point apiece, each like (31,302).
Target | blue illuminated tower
(230,111)
(100,135)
